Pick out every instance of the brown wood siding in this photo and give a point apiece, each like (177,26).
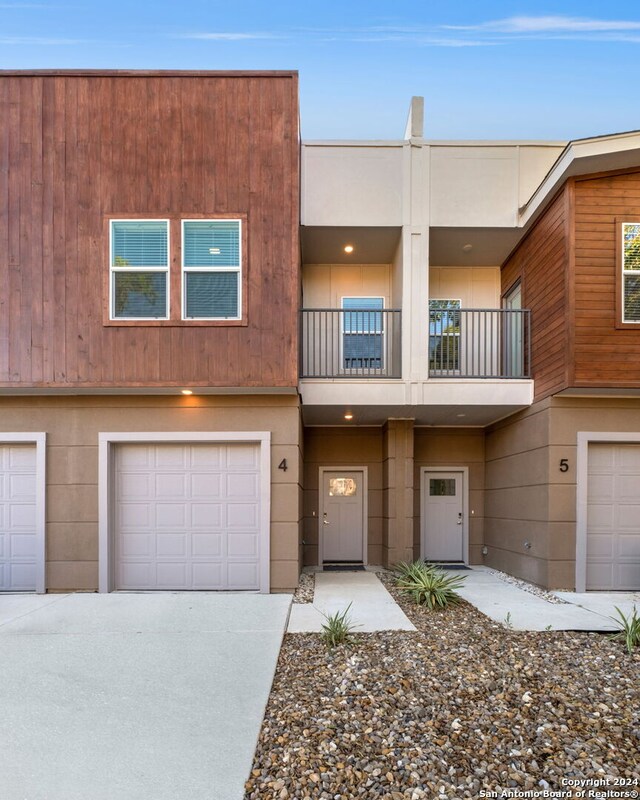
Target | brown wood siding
(540,263)
(604,355)
(77,149)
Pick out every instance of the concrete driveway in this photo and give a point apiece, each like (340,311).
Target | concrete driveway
(134,696)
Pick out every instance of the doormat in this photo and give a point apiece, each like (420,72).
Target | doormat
(448,566)
(343,568)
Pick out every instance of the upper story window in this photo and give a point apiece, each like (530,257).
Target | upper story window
(211,263)
(631,272)
(139,269)
(444,335)
(362,340)
(199,262)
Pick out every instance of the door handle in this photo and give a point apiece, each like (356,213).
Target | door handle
(325,521)
(460,518)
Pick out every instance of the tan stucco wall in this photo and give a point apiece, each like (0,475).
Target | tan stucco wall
(72,426)
(453,447)
(343,447)
(528,498)
(324,285)
(476,287)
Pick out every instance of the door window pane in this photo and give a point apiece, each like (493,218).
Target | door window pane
(442,487)
(342,487)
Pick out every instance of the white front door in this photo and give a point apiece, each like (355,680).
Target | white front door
(342,517)
(442,517)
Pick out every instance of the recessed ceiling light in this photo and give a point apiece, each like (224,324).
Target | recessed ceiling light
(348,248)
(348,415)
(187,391)
(467,247)
(460,415)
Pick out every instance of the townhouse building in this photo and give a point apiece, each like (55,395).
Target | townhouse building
(227,354)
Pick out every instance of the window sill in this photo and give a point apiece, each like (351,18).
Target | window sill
(175,323)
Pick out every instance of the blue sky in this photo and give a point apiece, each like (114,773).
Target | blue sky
(536,70)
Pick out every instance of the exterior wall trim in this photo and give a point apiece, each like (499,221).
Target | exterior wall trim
(106,442)
(40,441)
(465,504)
(582,465)
(365,508)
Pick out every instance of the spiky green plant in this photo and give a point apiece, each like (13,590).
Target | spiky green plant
(338,628)
(629,628)
(429,585)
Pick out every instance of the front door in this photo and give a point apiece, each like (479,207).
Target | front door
(442,522)
(342,516)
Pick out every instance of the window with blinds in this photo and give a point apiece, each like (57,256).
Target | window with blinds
(211,269)
(631,272)
(139,267)
(362,332)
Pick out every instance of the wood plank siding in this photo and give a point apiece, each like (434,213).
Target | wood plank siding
(604,354)
(540,264)
(79,148)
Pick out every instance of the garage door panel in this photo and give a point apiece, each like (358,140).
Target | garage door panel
(242,515)
(22,487)
(134,516)
(613,517)
(22,517)
(243,544)
(137,545)
(242,455)
(23,546)
(208,575)
(172,544)
(22,577)
(206,485)
(171,485)
(198,519)
(206,515)
(210,544)
(242,485)
(172,574)
(170,515)
(170,455)
(242,574)
(133,485)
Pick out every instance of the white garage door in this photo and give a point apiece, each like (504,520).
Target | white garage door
(187,516)
(613,517)
(18,540)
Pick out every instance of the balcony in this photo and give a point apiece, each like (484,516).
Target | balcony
(353,342)
(479,343)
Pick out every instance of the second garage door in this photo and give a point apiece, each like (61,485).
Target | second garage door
(187,516)
(613,517)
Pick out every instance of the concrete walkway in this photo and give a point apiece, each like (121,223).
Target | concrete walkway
(372,607)
(134,696)
(527,612)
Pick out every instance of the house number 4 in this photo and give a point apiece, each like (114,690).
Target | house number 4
(283,465)
(564,465)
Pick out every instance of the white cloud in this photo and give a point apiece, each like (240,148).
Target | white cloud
(549,24)
(231,36)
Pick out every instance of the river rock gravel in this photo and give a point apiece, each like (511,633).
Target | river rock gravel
(460,706)
(306,588)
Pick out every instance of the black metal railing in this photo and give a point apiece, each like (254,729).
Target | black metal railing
(479,343)
(350,343)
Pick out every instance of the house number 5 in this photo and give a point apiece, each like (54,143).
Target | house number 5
(283,465)
(564,465)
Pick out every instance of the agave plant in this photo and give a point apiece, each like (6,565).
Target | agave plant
(428,585)
(338,628)
(629,629)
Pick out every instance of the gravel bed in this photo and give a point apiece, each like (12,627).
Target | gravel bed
(306,588)
(528,587)
(460,706)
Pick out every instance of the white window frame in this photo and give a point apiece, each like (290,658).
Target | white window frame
(627,272)
(184,269)
(363,370)
(113,270)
